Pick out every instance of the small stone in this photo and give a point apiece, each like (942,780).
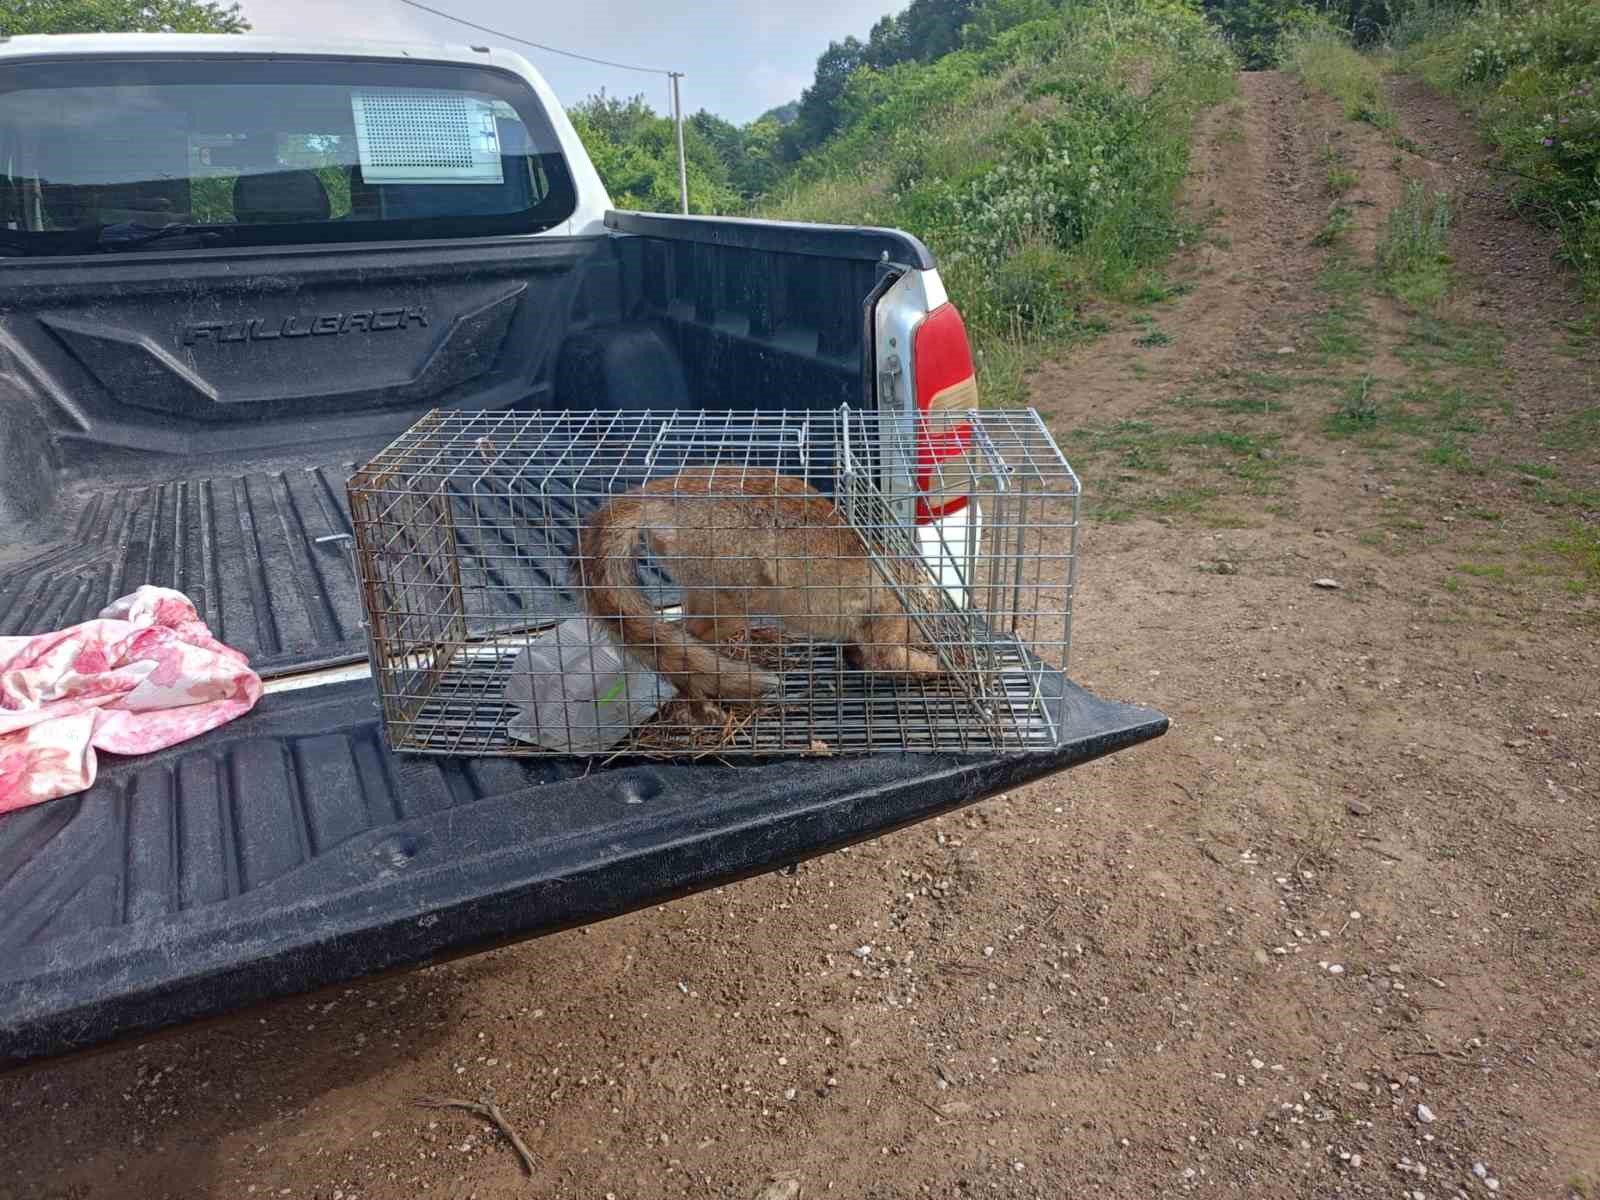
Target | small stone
(988,951)
(1425,1114)
(1335,969)
(1492,1184)
(1327,585)
(1256,1064)
(683,987)
(1355,1160)
(862,951)
(1481,1171)
(788,1093)
(1285,349)
(780,1189)
(1263,957)
(1358,808)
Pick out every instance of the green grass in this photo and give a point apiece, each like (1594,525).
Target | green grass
(1341,179)
(1524,70)
(1578,546)
(1153,337)
(1375,413)
(1157,289)
(1327,62)
(1340,332)
(1043,169)
(1341,276)
(1413,247)
(1336,226)
(1173,473)
(1579,432)
(1433,340)
(1448,452)
(1357,411)
(1249,392)
(1559,495)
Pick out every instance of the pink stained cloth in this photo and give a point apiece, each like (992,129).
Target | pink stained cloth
(144,676)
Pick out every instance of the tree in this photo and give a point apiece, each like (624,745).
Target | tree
(761,165)
(886,44)
(636,153)
(749,153)
(993,17)
(926,30)
(119,16)
(784,114)
(932,28)
(819,104)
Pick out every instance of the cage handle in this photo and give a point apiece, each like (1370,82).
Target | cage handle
(1002,469)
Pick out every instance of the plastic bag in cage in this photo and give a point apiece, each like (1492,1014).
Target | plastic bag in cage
(576,693)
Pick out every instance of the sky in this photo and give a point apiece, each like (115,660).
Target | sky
(739,58)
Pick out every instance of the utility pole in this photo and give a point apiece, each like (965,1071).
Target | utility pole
(683,169)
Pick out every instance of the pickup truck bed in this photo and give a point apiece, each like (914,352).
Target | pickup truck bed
(291,850)
(243,546)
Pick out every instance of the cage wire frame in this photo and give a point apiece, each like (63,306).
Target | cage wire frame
(467,526)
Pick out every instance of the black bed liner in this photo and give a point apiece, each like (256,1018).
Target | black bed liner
(260,554)
(291,850)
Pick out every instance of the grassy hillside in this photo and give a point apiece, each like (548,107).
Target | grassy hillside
(1530,69)
(1042,168)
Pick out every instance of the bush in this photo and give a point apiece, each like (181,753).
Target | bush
(1413,247)
(636,153)
(1258,28)
(1327,61)
(1031,287)
(1041,163)
(1532,70)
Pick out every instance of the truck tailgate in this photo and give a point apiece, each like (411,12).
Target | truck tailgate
(291,850)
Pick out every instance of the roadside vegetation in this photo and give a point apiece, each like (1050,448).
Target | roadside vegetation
(1042,168)
(1530,71)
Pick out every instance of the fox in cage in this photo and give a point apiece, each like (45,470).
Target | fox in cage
(758,583)
(749,549)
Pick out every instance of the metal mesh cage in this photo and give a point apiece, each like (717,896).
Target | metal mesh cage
(734,583)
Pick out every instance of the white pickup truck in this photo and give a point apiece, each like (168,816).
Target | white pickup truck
(230,269)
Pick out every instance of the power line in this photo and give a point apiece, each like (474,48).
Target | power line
(511,37)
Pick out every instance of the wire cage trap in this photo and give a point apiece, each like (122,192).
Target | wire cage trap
(688,583)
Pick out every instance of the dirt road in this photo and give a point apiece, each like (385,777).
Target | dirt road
(1336,933)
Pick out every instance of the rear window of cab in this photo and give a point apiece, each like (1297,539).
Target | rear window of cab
(116,156)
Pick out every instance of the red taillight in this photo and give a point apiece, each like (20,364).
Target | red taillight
(942,362)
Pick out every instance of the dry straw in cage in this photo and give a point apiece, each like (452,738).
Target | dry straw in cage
(732,583)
